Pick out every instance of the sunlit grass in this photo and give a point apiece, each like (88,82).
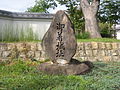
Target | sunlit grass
(78,40)
(33,41)
(23,75)
(98,40)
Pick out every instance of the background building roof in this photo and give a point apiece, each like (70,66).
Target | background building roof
(26,15)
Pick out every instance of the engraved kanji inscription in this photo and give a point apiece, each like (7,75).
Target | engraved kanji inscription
(60,44)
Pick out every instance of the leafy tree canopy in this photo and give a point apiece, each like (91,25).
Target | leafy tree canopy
(110,11)
(42,6)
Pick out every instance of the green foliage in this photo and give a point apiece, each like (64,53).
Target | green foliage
(75,14)
(77,19)
(105,76)
(110,11)
(104,30)
(22,75)
(84,35)
(98,40)
(42,6)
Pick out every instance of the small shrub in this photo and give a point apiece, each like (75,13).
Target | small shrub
(104,30)
(105,33)
(84,35)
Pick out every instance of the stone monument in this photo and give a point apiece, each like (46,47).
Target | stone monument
(60,45)
(59,42)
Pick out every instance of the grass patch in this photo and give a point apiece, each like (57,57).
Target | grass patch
(105,76)
(22,41)
(98,40)
(78,40)
(22,75)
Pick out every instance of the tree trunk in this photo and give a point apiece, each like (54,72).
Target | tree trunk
(90,14)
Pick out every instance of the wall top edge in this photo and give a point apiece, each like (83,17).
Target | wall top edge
(26,15)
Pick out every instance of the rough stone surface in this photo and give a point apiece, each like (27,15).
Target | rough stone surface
(114,45)
(108,46)
(6,54)
(0,54)
(88,46)
(3,46)
(59,42)
(102,52)
(107,58)
(101,46)
(73,68)
(31,54)
(94,45)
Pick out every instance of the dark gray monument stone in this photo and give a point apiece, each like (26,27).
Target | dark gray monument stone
(60,45)
(73,68)
(59,42)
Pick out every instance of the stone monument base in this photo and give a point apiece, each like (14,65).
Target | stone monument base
(73,68)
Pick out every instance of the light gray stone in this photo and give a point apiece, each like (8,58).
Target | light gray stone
(80,46)
(108,46)
(87,46)
(101,53)
(95,53)
(101,46)
(6,54)
(114,45)
(89,53)
(31,54)
(33,46)
(94,45)
(10,46)
(39,47)
(3,46)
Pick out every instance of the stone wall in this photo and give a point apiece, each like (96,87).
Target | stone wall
(98,51)
(21,50)
(93,51)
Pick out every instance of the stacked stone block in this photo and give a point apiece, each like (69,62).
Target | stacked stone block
(21,51)
(92,51)
(98,51)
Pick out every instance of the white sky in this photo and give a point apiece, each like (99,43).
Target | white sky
(20,5)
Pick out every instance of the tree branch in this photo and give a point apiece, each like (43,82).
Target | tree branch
(95,2)
(95,5)
(84,3)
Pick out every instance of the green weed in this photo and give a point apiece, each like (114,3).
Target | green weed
(98,40)
(23,75)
